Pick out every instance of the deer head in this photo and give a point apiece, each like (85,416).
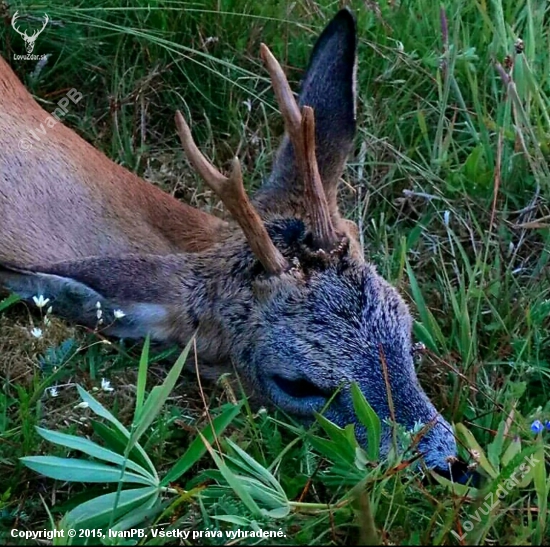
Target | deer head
(29,40)
(283,291)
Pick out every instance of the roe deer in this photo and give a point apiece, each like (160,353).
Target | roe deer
(283,291)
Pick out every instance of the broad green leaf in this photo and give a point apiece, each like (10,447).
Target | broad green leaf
(8,301)
(97,513)
(279,512)
(542,490)
(349,432)
(92,449)
(330,450)
(197,448)
(139,515)
(424,336)
(494,449)
(117,442)
(361,460)
(268,497)
(158,396)
(256,469)
(513,449)
(75,470)
(471,443)
(339,438)
(97,408)
(233,481)
(369,419)
(460,490)
(509,477)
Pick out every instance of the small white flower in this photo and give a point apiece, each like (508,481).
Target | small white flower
(83,404)
(47,321)
(106,385)
(40,301)
(446,218)
(98,305)
(53,391)
(211,40)
(36,332)
(49,310)
(99,313)
(119,314)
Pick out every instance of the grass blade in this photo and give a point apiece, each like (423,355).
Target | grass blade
(158,396)
(142,378)
(97,408)
(117,442)
(197,448)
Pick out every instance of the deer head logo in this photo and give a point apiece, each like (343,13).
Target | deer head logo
(29,40)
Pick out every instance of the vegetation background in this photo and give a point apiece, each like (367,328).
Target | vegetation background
(449,183)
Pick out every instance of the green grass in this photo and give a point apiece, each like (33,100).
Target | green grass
(449,184)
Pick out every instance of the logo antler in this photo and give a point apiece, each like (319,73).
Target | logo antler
(29,40)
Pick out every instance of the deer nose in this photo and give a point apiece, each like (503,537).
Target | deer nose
(458,471)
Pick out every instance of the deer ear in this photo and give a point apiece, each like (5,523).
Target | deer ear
(131,294)
(329,88)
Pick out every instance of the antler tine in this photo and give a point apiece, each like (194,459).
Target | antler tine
(324,233)
(232,193)
(301,130)
(289,108)
(14,18)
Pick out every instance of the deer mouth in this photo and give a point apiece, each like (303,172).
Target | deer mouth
(297,396)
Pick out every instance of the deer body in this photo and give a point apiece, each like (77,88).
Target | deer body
(62,199)
(283,291)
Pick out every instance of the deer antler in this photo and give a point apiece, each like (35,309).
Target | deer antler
(13,20)
(301,131)
(233,195)
(37,32)
(323,229)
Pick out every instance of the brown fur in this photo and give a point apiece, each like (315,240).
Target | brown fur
(63,199)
